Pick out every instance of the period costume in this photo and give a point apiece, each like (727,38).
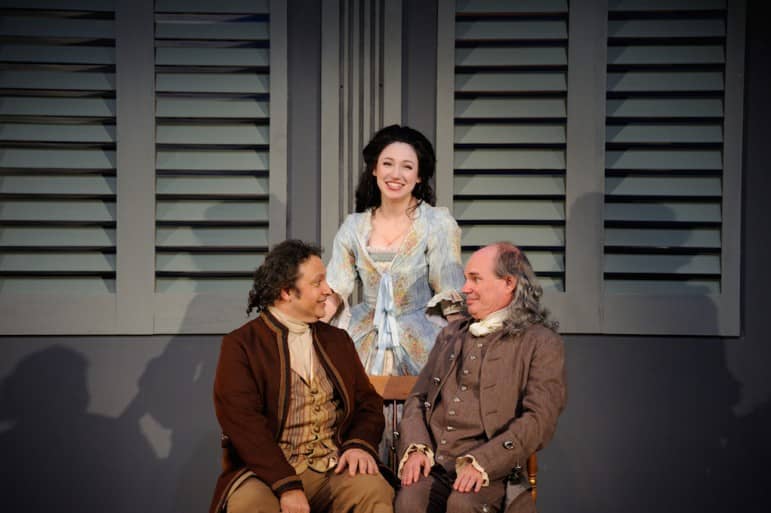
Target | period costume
(391,329)
(290,403)
(487,397)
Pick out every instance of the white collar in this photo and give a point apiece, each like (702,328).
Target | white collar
(293,325)
(489,324)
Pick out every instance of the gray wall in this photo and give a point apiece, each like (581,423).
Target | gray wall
(653,423)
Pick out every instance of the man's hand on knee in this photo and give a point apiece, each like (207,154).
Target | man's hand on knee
(357,460)
(294,501)
(417,463)
(469,479)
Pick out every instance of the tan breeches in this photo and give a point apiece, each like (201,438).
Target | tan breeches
(362,493)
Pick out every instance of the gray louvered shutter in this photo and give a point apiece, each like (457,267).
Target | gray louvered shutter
(673,167)
(57,148)
(212,142)
(664,145)
(510,115)
(652,157)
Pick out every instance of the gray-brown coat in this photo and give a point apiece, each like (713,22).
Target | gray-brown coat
(522,393)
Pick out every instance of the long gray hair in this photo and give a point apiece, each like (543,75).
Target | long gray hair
(526,308)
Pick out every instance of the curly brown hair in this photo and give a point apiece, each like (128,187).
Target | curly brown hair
(278,272)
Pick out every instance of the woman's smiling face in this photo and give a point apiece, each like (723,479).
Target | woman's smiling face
(396,171)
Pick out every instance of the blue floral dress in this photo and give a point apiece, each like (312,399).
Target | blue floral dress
(393,327)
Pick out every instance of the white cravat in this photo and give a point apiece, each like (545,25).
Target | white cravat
(300,344)
(489,324)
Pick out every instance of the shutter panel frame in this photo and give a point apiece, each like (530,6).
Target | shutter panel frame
(59,221)
(221,186)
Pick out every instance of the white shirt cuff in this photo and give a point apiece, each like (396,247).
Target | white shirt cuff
(415,448)
(469,459)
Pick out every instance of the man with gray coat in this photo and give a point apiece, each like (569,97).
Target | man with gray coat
(489,395)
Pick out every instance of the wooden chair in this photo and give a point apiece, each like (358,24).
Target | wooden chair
(395,390)
(532,474)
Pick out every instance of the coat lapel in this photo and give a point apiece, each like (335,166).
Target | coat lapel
(331,370)
(450,363)
(282,346)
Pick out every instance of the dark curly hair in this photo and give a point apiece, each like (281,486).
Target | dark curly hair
(278,272)
(367,192)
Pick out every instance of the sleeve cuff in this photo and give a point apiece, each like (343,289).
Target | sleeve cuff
(342,317)
(445,303)
(470,460)
(415,448)
(286,484)
(357,443)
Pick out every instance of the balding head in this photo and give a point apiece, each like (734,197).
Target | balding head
(511,283)
(486,291)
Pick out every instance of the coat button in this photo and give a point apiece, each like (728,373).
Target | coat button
(508,444)
(435,380)
(485,508)
(427,405)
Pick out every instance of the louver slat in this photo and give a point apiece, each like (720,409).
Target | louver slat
(212,144)
(57,148)
(664,148)
(510,129)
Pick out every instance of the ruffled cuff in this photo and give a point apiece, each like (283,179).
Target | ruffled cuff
(470,460)
(445,303)
(342,317)
(415,448)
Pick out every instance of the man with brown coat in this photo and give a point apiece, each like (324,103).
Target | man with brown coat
(300,420)
(488,397)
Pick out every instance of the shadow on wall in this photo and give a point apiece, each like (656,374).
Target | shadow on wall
(160,453)
(174,408)
(59,457)
(651,425)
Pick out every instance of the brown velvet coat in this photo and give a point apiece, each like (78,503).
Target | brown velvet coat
(251,401)
(522,392)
